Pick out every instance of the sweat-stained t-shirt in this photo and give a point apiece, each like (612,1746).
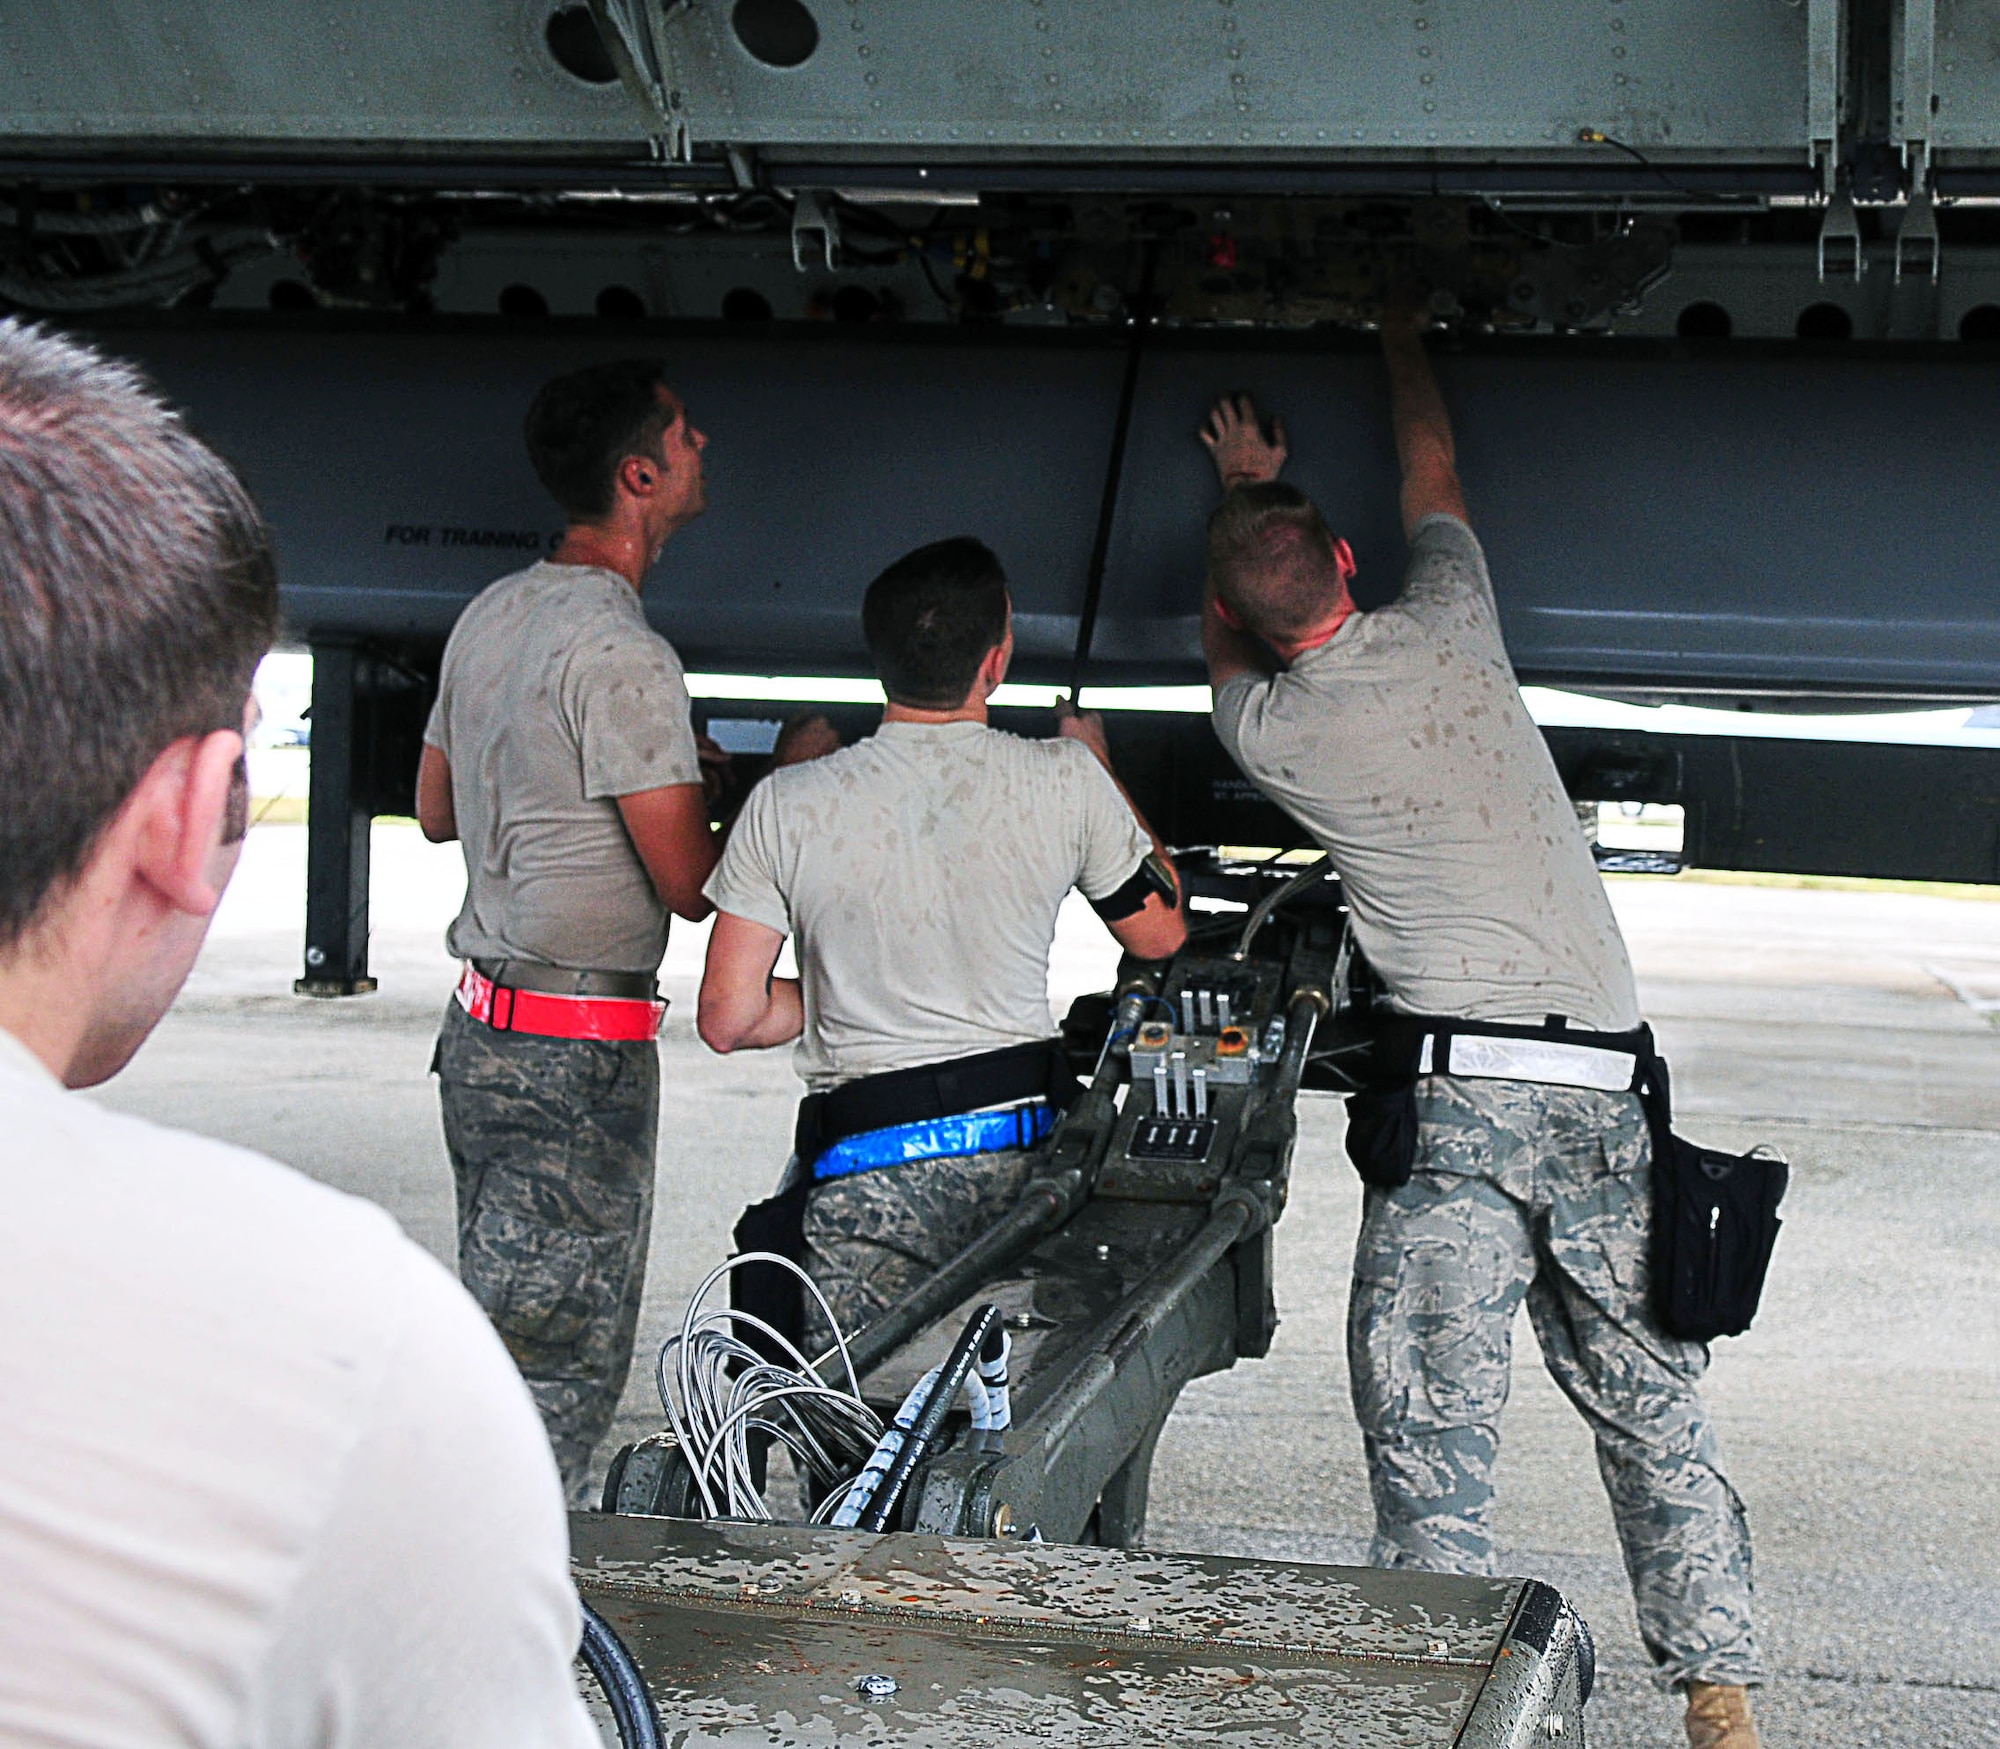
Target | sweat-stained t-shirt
(556,698)
(1402,745)
(921,871)
(268,1479)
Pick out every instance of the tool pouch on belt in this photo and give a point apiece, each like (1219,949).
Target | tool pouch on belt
(1382,1117)
(764,1290)
(1715,1222)
(1715,1215)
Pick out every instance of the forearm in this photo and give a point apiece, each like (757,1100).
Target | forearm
(671,835)
(1425,449)
(750,1020)
(782,1018)
(436,812)
(1416,403)
(743,1004)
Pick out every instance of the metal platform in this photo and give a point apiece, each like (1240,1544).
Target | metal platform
(766,1634)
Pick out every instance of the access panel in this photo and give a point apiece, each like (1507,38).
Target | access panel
(1656,518)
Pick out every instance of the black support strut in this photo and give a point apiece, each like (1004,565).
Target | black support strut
(1107,516)
(336,834)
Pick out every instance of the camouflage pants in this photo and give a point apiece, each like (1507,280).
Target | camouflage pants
(1542,1192)
(873,1236)
(552,1144)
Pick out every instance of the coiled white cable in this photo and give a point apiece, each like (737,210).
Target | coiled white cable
(716,1389)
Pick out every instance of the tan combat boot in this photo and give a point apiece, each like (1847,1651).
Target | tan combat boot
(1718,1717)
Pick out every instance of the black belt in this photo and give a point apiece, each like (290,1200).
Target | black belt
(550,980)
(1037,1070)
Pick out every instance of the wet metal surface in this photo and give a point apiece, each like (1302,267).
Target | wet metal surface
(763,1634)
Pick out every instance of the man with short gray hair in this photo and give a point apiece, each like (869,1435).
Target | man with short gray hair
(1496,1171)
(267,1478)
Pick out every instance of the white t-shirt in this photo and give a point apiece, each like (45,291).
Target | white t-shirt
(1402,745)
(921,870)
(268,1479)
(555,699)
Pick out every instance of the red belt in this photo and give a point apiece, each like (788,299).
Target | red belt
(613,1018)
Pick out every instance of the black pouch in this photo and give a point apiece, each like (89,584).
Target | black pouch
(1715,1221)
(1382,1134)
(1382,1117)
(764,1290)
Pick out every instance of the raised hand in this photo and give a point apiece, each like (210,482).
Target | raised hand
(1236,441)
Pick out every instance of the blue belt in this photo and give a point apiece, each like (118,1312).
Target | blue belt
(938,1138)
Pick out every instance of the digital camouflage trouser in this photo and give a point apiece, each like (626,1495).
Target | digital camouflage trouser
(873,1236)
(1545,1192)
(552,1144)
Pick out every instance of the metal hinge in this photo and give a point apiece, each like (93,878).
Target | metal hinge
(1915,91)
(1839,234)
(813,218)
(639,41)
(1917,245)
(1840,238)
(1825,21)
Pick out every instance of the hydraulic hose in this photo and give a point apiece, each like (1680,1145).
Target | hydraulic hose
(950,1381)
(1313,871)
(1067,1178)
(606,1658)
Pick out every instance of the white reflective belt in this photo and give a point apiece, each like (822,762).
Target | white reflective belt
(1534,1059)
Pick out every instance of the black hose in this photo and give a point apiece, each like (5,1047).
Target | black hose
(617,1672)
(1071,1160)
(950,1381)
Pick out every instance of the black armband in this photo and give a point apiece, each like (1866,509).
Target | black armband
(1154,875)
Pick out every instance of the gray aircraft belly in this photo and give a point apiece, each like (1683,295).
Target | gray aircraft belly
(1653,519)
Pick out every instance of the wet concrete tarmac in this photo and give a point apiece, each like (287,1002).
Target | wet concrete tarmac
(1860,1418)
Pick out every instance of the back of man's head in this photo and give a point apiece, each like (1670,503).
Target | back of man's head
(581,426)
(1271,559)
(931,619)
(137,595)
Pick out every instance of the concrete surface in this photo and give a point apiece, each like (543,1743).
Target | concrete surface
(1861,1417)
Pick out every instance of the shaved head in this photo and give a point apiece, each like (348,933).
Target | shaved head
(1271,559)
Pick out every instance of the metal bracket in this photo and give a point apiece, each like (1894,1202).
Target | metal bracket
(637,38)
(810,216)
(1915,96)
(1825,29)
(1840,238)
(1917,237)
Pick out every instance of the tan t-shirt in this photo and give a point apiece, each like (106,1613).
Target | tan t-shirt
(1403,747)
(921,871)
(268,1480)
(557,698)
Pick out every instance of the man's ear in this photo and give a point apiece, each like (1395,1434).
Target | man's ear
(993,670)
(1227,614)
(180,815)
(641,475)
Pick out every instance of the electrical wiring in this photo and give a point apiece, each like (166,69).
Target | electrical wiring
(1597,137)
(1120,1034)
(717,1390)
(157,281)
(1528,231)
